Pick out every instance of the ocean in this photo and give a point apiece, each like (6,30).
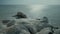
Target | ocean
(52,12)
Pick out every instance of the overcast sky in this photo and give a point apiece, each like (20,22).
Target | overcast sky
(29,1)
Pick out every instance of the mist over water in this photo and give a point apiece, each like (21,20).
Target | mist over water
(32,11)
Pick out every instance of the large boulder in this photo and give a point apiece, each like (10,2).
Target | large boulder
(31,26)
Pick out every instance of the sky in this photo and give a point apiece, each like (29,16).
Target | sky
(4,2)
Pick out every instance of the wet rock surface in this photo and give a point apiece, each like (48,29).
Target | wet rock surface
(26,26)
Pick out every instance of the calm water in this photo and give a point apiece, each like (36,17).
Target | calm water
(32,11)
